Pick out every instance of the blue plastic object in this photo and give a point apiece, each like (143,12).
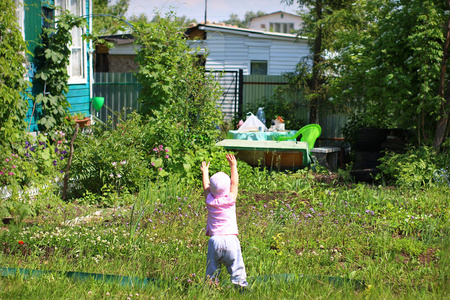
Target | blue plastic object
(261,115)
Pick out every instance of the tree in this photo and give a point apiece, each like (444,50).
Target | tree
(234,18)
(177,98)
(395,70)
(104,25)
(182,21)
(442,123)
(322,18)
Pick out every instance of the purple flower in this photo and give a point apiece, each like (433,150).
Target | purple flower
(370,212)
(55,162)
(27,154)
(312,210)
(62,157)
(32,149)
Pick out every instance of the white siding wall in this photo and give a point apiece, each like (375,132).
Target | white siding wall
(235,51)
(256,23)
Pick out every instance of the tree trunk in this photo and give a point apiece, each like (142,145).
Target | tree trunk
(313,116)
(443,121)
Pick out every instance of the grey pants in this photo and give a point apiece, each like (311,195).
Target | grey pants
(226,249)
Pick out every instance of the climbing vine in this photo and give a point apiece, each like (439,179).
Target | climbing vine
(13,104)
(52,74)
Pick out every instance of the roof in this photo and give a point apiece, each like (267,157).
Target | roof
(283,12)
(119,38)
(244,31)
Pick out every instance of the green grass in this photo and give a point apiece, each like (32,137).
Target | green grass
(394,241)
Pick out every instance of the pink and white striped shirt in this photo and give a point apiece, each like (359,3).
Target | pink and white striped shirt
(221,215)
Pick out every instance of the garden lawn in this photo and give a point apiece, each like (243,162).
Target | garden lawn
(383,242)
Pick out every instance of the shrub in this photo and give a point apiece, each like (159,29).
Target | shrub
(418,167)
(33,160)
(116,158)
(178,99)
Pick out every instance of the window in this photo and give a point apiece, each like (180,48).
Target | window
(282,27)
(20,15)
(78,58)
(258,67)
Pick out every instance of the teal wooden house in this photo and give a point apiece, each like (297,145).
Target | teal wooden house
(31,17)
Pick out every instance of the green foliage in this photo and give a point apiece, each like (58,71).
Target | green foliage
(391,69)
(13,103)
(104,25)
(244,23)
(178,99)
(52,74)
(33,160)
(111,157)
(417,168)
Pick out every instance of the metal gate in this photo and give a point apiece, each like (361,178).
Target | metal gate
(231,86)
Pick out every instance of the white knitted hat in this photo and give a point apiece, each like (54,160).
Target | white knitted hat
(220,184)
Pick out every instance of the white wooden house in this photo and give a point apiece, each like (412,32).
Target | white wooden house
(225,48)
(255,52)
(279,21)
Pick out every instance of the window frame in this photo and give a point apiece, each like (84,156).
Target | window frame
(83,79)
(260,62)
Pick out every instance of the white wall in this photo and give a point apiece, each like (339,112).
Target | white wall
(235,51)
(257,22)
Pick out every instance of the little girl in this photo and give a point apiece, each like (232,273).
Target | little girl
(223,246)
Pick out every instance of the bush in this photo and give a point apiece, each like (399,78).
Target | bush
(116,158)
(419,167)
(33,160)
(177,98)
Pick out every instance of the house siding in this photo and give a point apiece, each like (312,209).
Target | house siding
(227,51)
(79,94)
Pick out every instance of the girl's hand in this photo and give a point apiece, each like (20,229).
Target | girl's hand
(205,167)
(231,160)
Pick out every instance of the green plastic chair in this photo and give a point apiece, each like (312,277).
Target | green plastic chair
(309,134)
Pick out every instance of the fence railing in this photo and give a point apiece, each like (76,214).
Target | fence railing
(121,91)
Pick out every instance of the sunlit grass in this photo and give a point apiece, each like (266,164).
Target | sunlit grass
(392,242)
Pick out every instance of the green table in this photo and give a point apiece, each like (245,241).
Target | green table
(259,135)
(286,155)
